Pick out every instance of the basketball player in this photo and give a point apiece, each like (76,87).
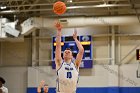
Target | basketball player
(2,88)
(67,70)
(44,86)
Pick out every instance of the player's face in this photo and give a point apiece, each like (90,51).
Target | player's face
(45,88)
(67,54)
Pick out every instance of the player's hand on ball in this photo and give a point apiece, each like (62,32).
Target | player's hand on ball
(58,25)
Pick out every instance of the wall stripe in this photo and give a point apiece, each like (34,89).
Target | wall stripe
(95,90)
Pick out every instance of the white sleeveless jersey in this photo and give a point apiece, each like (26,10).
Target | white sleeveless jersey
(67,78)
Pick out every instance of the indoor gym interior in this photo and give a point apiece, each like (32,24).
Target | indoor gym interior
(109,30)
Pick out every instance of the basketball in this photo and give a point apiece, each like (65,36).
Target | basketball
(59,8)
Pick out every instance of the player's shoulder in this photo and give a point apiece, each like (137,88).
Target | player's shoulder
(60,66)
(4,89)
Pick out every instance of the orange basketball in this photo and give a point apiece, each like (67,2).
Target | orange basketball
(59,7)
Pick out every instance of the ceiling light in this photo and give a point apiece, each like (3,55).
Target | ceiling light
(105,5)
(98,6)
(69,1)
(3,7)
(8,11)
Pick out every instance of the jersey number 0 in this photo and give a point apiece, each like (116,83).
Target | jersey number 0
(69,75)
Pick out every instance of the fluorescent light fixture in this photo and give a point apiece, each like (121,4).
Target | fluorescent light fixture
(3,7)
(69,1)
(98,6)
(8,11)
(105,5)
(73,7)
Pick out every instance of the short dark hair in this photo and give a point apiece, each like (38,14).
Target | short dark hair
(70,50)
(2,80)
(45,84)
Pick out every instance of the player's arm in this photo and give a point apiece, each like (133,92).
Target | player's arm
(3,90)
(81,50)
(0,90)
(58,58)
(40,86)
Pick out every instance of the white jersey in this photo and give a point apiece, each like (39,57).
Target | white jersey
(4,89)
(67,78)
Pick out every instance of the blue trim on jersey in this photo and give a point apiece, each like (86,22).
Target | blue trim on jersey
(77,71)
(75,67)
(57,84)
(78,79)
(59,67)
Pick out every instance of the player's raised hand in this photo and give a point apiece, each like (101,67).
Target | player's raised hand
(42,83)
(75,34)
(58,25)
